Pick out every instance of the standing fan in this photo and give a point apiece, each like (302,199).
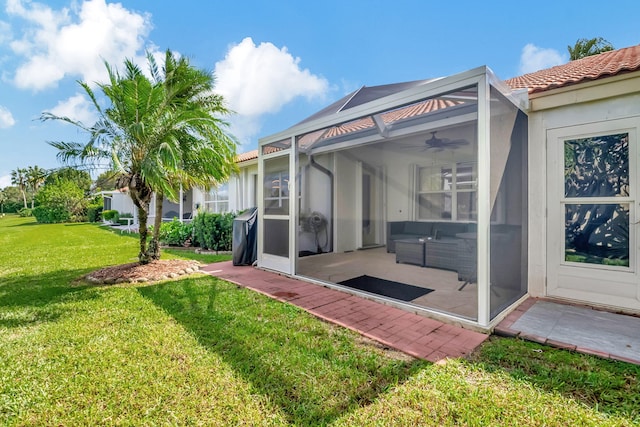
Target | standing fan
(317,223)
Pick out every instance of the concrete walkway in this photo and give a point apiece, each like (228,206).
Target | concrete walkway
(410,333)
(578,328)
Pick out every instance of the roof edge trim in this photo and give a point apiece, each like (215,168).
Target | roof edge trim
(350,98)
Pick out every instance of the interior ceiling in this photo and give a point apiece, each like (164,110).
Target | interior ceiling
(460,139)
(412,147)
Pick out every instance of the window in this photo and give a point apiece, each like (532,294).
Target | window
(447,192)
(596,178)
(217,199)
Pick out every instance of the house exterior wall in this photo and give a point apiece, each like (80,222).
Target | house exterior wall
(595,102)
(121,202)
(242,187)
(346,197)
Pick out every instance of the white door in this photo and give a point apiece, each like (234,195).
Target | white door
(371,212)
(275,237)
(593,214)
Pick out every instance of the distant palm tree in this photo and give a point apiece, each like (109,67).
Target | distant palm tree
(159,133)
(19,179)
(35,178)
(588,47)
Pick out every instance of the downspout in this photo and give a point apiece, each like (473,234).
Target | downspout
(330,175)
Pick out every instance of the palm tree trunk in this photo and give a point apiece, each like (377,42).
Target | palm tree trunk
(142,198)
(24,198)
(143,255)
(154,246)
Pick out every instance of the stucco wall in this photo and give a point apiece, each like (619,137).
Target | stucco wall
(565,112)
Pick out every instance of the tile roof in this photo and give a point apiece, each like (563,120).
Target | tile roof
(245,157)
(594,67)
(390,117)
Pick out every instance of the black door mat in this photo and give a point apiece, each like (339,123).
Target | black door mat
(387,288)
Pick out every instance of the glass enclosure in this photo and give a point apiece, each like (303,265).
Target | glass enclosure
(384,214)
(387,201)
(508,228)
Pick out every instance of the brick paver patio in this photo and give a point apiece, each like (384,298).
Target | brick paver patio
(410,333)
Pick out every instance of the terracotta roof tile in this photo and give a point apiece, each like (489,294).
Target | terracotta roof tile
(388,117)
(249,155)
(594,67)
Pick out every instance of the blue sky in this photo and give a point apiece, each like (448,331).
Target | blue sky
(276,62)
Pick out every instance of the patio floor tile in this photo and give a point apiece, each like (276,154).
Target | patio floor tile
(574,327)
(415,335)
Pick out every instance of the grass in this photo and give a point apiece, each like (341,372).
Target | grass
(201,351)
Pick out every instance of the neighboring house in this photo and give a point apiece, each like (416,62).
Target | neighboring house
(238,194)
(465,193)
(118,200)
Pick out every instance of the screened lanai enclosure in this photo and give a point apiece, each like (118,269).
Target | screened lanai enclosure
(412,193)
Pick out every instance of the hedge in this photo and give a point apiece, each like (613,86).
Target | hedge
(214,231)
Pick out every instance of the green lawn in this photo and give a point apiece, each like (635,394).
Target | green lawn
(200,351)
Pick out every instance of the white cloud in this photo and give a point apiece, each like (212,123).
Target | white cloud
(5,32)
(76,108)
(257,80)
(74,42)
(536,58)
(5,181)
(6,118)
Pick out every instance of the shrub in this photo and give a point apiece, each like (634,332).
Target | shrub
(24,212)
(12,206)
(94,210)
(214,231)
(51,214)
(60,201)
(110,215)
(175,232)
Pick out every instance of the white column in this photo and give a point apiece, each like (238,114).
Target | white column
(181,210)
(484,199)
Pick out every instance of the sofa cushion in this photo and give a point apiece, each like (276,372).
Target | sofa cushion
(417,228)
(405,236)
(449,229)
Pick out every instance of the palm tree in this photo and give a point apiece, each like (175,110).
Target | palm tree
(588,47)
(19,179)
(35,178)
(159,132)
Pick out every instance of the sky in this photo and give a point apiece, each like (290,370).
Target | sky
(275,62)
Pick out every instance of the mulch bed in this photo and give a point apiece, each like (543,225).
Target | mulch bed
(137,273)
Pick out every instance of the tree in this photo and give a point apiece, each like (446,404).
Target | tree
(160,132)
(3,199)
(13,202)
(35,178)
(61,201)
(107,181)
(79,177)
(588,47)
(19,179)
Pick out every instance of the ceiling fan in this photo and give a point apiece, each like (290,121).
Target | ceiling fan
(439,144)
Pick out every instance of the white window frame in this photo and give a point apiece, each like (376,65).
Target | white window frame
(454,190)
(214,205)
